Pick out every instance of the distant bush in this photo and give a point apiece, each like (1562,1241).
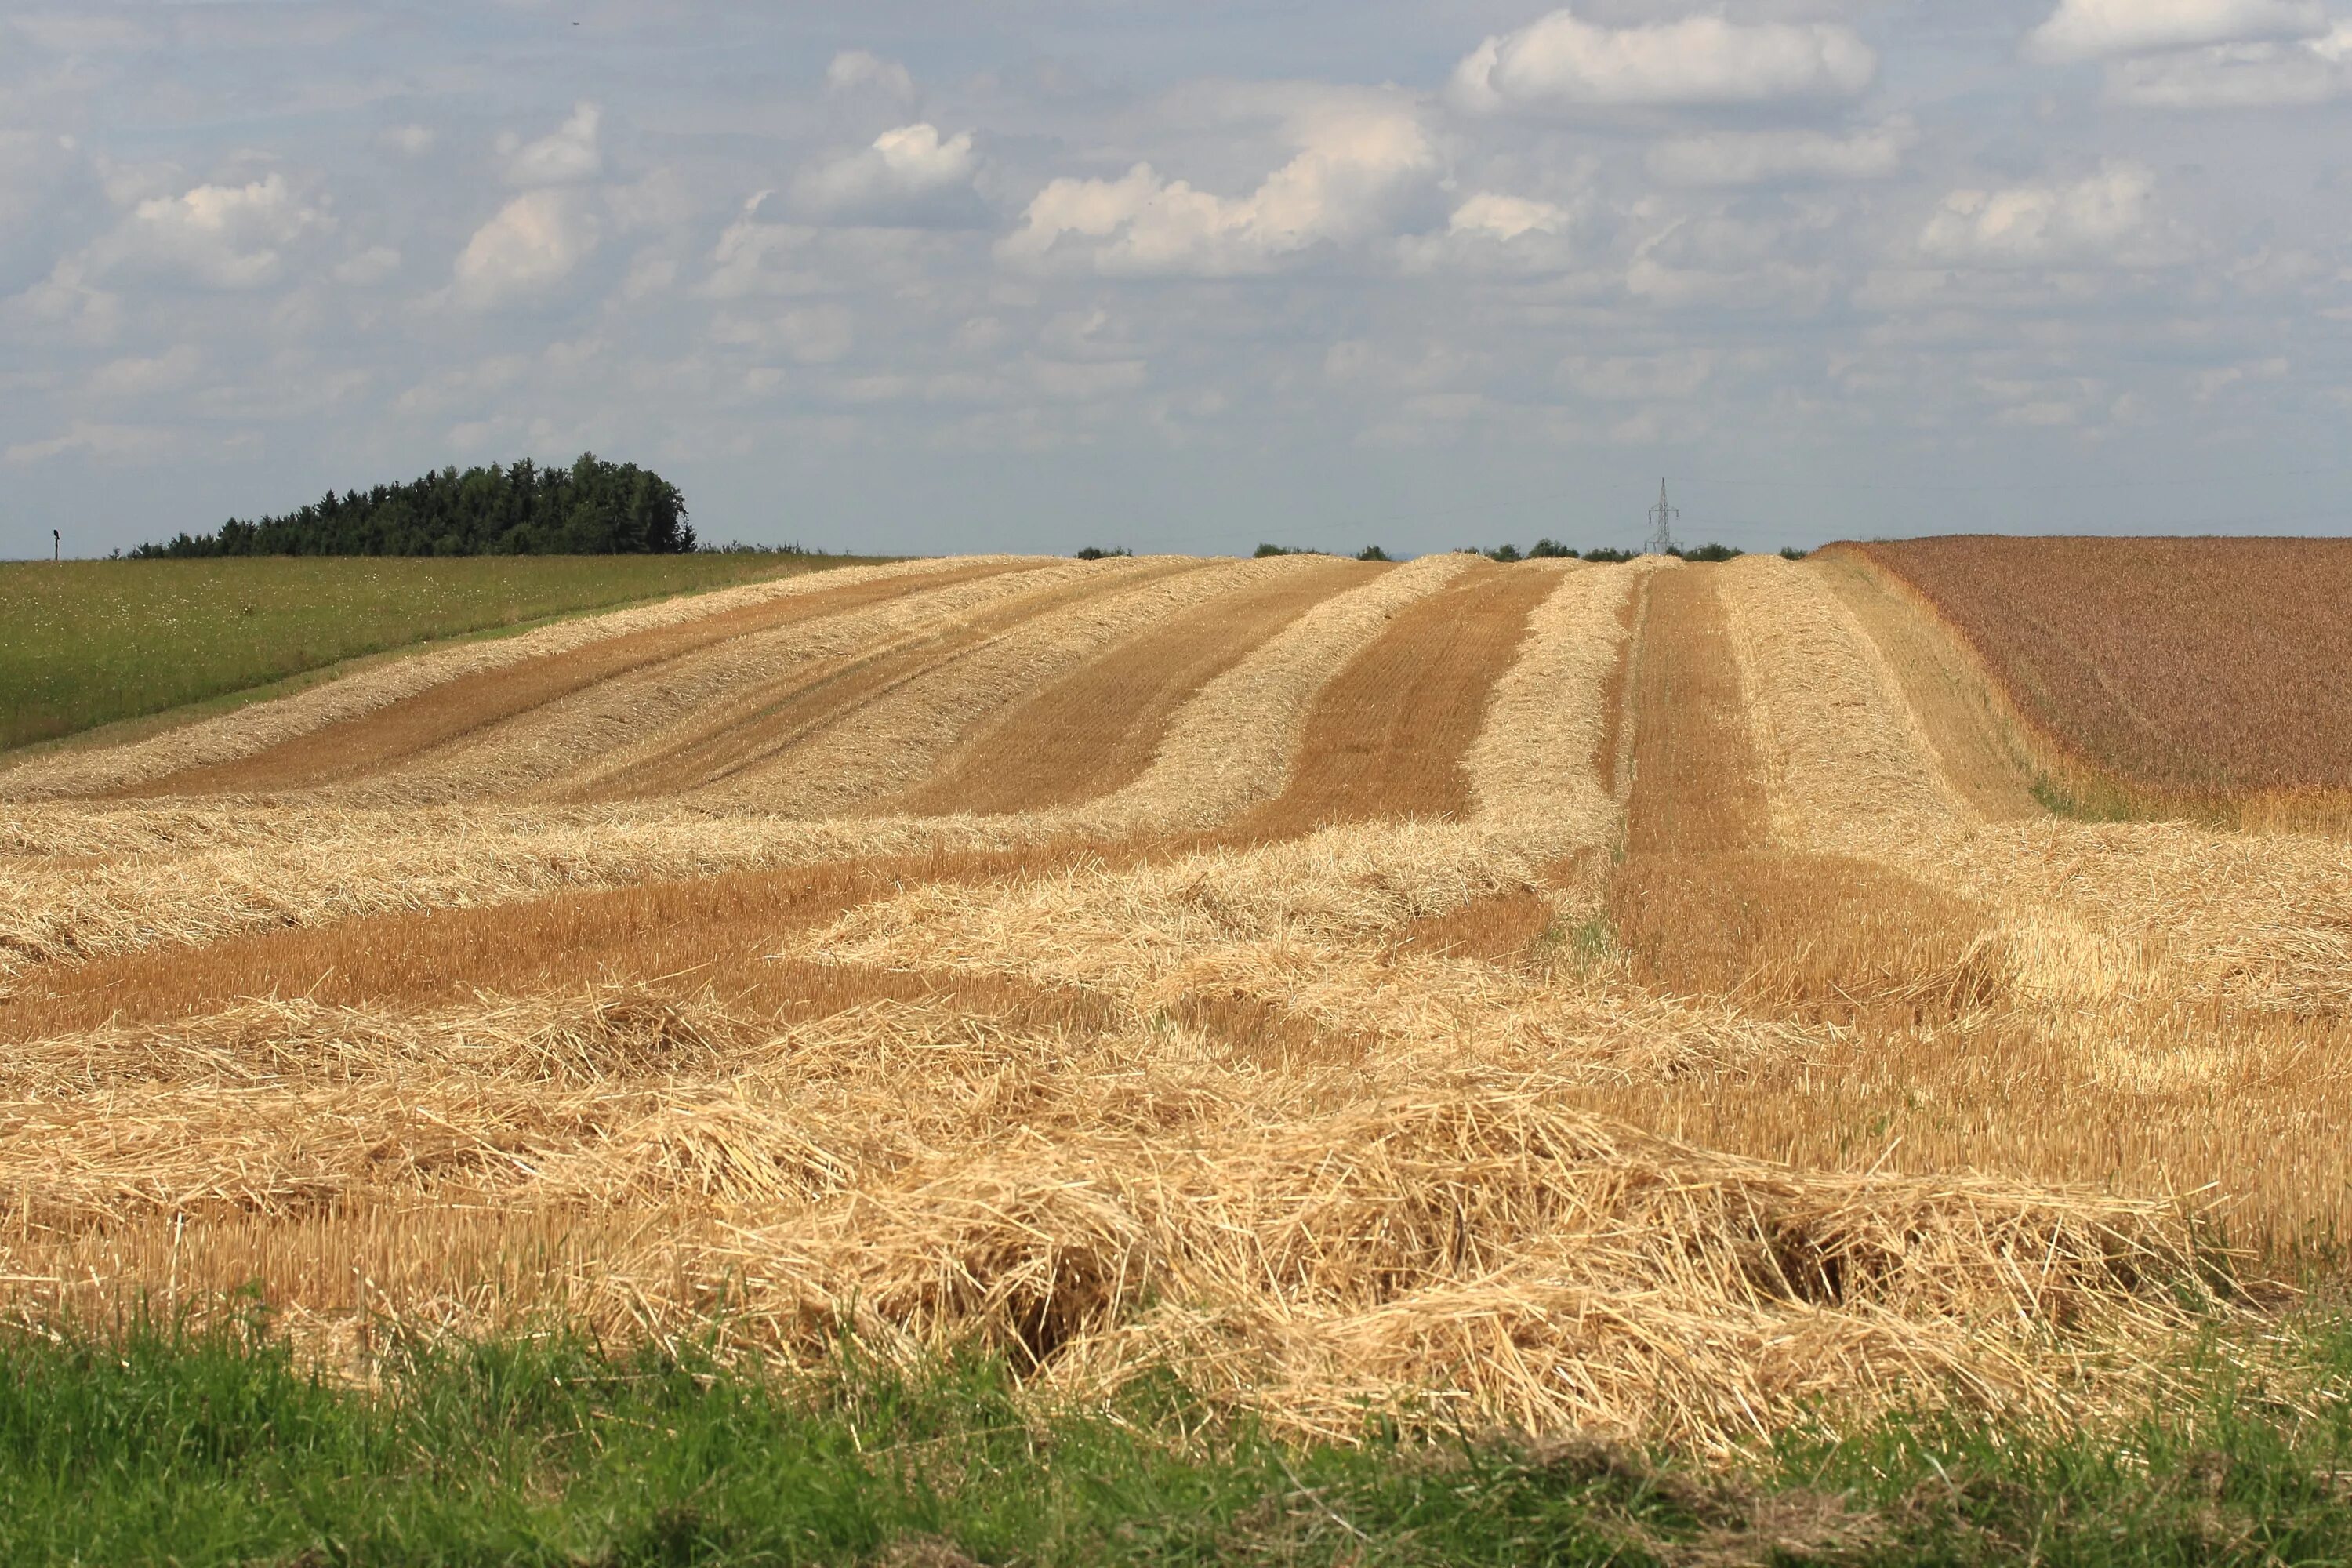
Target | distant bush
(592,508)
(1708,553)
(1372,553)
(1265,550)
(1790,552)
(737,547)
(1097,552)
(1553,550)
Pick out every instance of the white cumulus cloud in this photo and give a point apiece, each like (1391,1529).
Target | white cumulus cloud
(1508,217)
(2091,221)
(2101,29)
(1494,233)
(219,236)
(1563,61)
(909,173)
(533,244)
(568,154)
(1774,157)
(1341,188)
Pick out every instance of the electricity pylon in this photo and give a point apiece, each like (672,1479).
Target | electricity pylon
(1662,524)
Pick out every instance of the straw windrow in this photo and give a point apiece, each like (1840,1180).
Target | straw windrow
(1456,1245)
(1469,1119)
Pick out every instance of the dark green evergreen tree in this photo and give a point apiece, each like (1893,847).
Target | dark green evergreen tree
(592,508)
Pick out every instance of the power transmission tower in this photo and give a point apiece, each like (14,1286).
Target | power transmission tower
(1662,524)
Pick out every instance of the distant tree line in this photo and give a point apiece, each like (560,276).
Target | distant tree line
(1552,550)
(592,508)
(1541,550)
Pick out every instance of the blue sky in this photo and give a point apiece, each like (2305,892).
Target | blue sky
(916,277)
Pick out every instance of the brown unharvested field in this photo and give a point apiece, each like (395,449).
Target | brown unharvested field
(1640,1000)
(2180,668)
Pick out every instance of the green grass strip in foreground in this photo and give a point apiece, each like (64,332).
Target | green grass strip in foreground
(155,1447)
(85,643)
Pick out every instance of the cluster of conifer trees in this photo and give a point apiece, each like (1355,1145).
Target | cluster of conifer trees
(592,508)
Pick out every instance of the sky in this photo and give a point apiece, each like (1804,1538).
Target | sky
(915,276)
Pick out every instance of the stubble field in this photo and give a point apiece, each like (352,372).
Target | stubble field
(1633,1001)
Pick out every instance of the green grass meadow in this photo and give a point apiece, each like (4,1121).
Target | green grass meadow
(86,643)
(217,1448)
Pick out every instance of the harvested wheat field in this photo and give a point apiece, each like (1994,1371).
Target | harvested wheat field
(1639,1001)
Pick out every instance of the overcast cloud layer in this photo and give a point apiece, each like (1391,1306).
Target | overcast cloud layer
(916,277)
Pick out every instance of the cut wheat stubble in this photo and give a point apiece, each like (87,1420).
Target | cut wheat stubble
(2097,974)
(1341,1121)
(1986,761)
(1233,744)
(1097,729)
(1704,901)
(1855,773)
(258,868)
(786,700)
(552,751)
(389,736)
(1546,746)
(1388,738)
(646,930)
(1100,1200)
(905,732)
(714,932)
(98,770)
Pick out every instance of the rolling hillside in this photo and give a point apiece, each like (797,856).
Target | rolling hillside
(1571,997)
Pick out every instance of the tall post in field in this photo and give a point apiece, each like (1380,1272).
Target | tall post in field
(1661,525)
